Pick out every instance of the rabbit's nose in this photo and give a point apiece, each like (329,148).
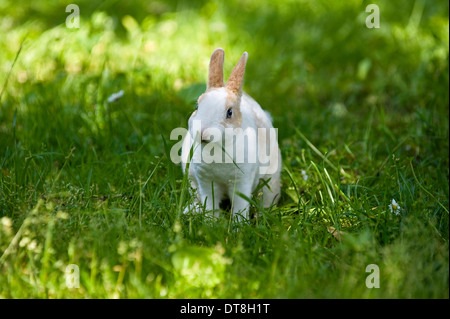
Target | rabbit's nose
(208,134)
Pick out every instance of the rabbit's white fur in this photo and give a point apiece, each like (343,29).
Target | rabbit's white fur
(216,181)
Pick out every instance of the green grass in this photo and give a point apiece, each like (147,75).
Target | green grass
(362,112)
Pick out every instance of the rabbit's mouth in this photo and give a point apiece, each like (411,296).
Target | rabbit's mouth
(211,140)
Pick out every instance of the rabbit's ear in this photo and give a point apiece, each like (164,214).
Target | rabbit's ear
(236,78)
(215,76)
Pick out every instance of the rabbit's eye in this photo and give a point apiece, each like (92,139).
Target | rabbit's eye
(229,113)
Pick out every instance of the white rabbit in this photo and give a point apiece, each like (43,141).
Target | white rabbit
(222,109)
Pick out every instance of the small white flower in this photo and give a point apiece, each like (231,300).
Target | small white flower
(115,96)
(304,176)
(394,207)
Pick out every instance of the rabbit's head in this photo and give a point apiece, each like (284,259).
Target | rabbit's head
(219,107)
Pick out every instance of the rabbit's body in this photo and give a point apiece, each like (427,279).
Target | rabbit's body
(237,169)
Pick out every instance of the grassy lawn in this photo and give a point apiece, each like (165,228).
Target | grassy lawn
(362,116)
